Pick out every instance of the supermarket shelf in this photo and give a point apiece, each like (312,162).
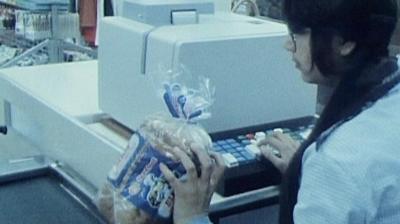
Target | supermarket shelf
(54,46)
(37,5)
(9,38)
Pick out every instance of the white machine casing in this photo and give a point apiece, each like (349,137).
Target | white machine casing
(255,79)
(160,12)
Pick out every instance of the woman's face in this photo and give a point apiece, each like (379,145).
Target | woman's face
(300,47)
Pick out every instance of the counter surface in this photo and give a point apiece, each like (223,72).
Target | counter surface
(52,110)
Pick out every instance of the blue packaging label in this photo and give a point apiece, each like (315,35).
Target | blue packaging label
(118,172)
(141,182)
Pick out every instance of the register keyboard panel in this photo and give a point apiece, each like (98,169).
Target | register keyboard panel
(247,169)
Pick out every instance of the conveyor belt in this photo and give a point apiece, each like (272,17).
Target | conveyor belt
(42,196)
(41,200)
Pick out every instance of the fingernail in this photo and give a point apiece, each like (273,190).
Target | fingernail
(265,147)
(162,166)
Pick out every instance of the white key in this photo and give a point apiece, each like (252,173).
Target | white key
(253,149)
(306,133)
(259,136)
(230,160)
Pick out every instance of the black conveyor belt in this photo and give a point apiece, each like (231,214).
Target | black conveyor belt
(41,200)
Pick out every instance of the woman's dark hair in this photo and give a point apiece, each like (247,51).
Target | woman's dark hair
(367,23)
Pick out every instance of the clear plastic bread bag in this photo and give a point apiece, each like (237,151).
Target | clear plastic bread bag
(136,191)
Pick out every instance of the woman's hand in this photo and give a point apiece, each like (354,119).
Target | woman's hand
(279,148)
(193,194)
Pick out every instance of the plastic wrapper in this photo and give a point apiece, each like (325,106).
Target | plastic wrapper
(136,190)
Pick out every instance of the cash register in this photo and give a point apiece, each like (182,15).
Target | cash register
(78,116)
(257,87)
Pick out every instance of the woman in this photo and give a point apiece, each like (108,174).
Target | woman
(347,171)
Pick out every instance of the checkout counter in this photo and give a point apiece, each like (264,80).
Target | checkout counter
(74,120)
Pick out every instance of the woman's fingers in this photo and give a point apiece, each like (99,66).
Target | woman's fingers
(212,165)
(169,175)
(218,160)
(219,169)
(275,160)
(274,143)
(287,139)
(206,164)
(282,143)
(187,163)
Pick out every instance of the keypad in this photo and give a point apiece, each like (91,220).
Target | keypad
(242,149)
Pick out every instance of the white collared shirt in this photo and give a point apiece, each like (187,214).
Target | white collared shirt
(354,176)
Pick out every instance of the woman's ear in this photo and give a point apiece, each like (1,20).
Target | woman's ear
(342,47)
(347,47)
